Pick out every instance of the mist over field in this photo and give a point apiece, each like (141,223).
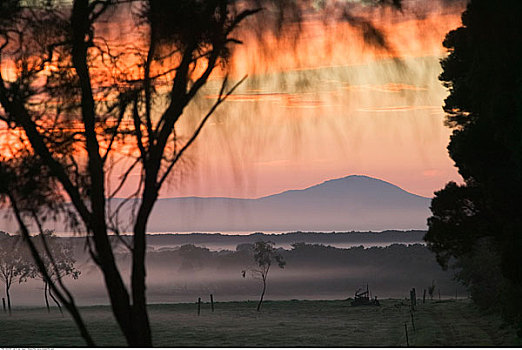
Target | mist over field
(316,268)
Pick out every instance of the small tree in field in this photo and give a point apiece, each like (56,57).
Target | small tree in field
(59,262)
(264,255)
(13,264)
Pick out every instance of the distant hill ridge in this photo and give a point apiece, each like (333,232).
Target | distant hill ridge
(354,202)
(351,184)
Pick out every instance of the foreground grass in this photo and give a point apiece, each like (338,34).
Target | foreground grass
(279,324)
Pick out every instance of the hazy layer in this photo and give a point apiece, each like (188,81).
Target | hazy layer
(182,274)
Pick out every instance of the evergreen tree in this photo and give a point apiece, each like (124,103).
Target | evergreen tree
(484,107)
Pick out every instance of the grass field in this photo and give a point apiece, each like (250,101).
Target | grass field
(279,324)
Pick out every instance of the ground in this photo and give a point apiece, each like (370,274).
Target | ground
(279,324)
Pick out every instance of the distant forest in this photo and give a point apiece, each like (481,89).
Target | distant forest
(178,271)
(313,271)
(390,236)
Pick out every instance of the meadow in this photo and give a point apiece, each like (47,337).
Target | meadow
(295,323)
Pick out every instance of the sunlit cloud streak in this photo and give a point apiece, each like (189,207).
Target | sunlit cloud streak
(397,109)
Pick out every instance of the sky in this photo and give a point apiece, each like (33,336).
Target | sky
(326,105)
(320,103)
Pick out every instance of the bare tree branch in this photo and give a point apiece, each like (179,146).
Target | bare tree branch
(221,98)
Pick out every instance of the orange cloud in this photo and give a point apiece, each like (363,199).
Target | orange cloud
(286,100)
(389,88)
(397,109)
(322,45)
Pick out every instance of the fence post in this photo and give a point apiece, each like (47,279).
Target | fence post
(412,321)
(406,330)
(212,302)
(424,297)
(199,306)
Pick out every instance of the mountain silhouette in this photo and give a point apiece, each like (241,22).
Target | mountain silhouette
(351,203)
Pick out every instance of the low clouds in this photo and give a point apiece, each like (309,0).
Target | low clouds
(395,109)
(286,100)
(388,88)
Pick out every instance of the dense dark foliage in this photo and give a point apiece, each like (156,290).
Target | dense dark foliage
(480,223)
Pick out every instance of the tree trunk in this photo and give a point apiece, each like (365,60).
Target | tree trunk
(118,294)
(55,301)
(141,322)
(46,298)
(262,295)
(8,299)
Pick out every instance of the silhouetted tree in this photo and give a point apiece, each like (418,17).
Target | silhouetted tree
(59,262)
(79,119)
(79,103)
(460,217)
(484,107)
(14,264)
(264,255)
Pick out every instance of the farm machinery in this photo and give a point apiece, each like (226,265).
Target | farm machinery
(363,298)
